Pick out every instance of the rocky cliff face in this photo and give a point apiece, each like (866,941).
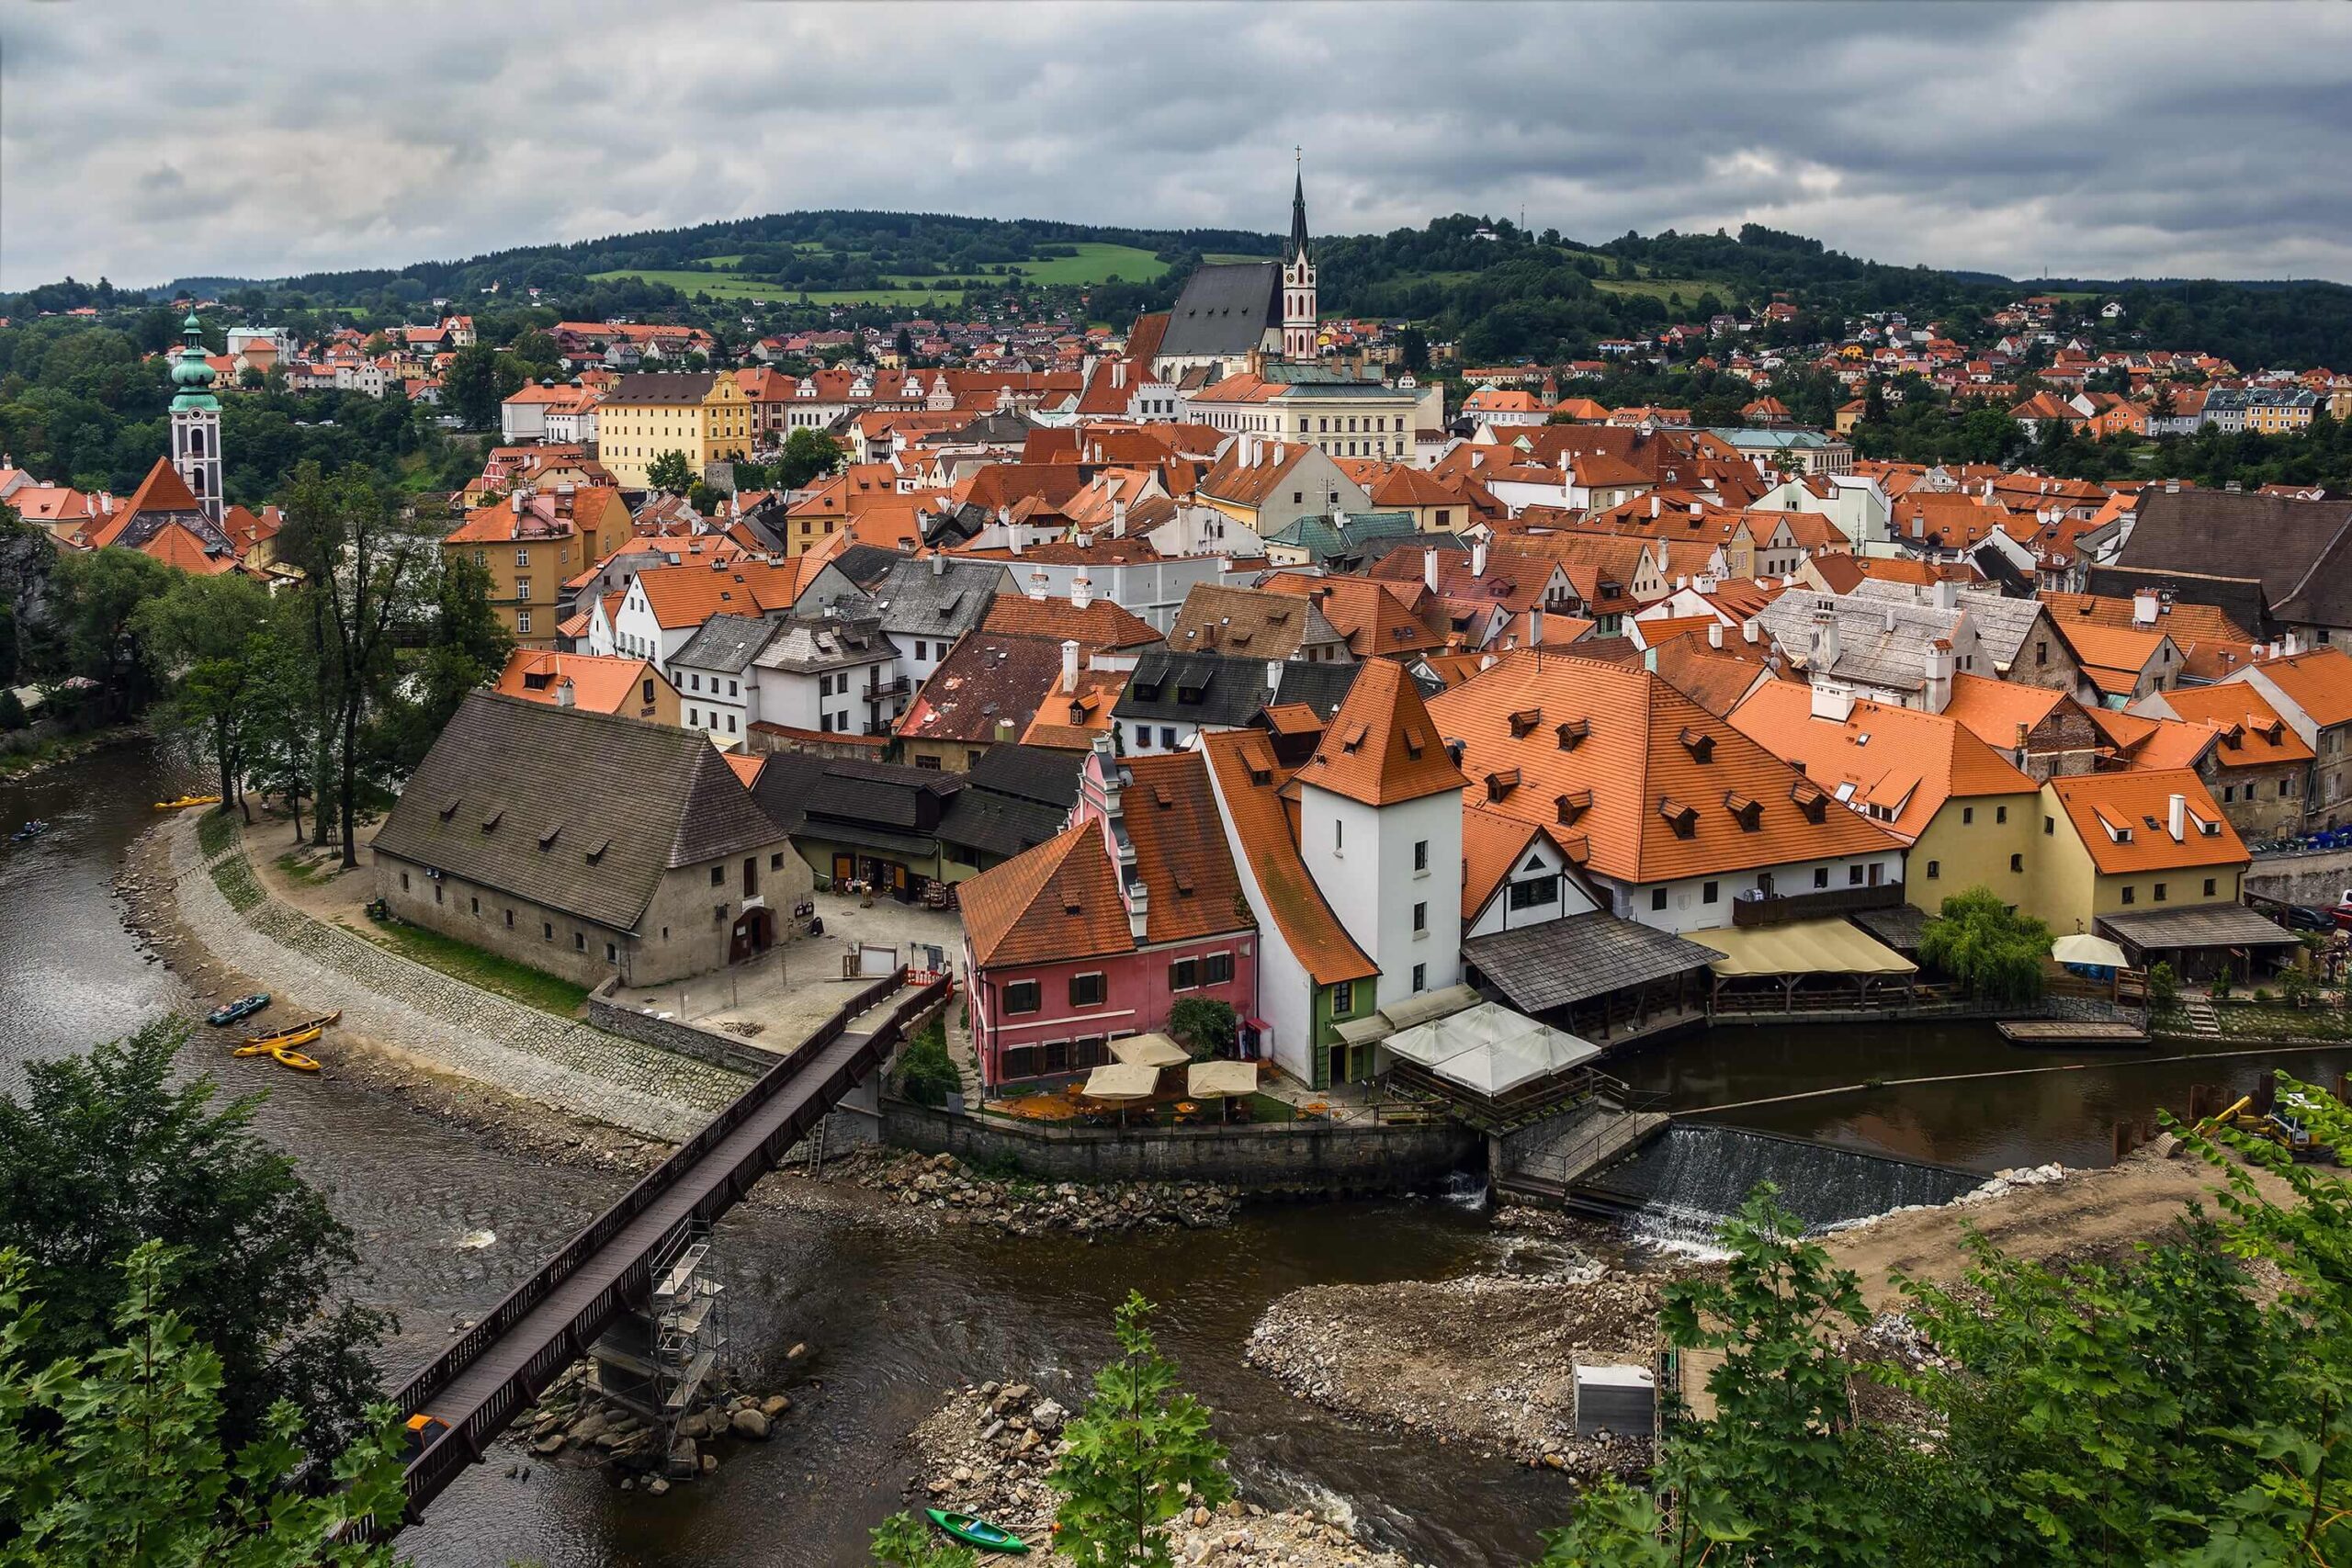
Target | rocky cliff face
(28,607)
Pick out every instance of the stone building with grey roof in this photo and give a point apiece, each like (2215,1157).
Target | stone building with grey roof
(585,845)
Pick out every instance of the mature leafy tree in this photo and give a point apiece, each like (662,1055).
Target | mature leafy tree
(121,1454)
(1137,1454)
(103,591)
(809,454)
(1204,1028)
(104,1153)
(671,473)
(468,646)
(1999,954)
(206,635)
(363,582)
(476,382)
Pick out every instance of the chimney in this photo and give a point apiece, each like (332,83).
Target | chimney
(1118,519)
(1081,591)
(938,564)
(1478,558)
(1834,704)
(1937,696)
(1037,585)
(1069,666)
(1946,593)
(1535,624)
(1428,570)
(1273,676)
(564,695)
(1655,503)
(1747,630)
(2177,818)
(1824,640)
(1005,730)
(2143,607)
(1714,634)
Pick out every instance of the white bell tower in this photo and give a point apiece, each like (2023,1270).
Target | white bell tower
(196,420)
(1299,278)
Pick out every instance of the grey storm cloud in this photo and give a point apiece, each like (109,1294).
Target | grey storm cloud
(2098,140)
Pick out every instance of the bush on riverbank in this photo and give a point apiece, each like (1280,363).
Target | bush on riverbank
(2187,1407)
(926,1075)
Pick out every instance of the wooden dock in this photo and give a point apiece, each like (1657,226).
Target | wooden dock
(2049,1031)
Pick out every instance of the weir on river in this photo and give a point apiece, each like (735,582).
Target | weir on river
(1684,1182)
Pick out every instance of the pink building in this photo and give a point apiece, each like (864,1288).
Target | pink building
(1100,931)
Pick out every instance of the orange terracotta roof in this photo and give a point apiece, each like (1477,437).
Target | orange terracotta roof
(1381,747)
(1249,782)
(745,766)
(1171,818)
(1057,900)
(1994,709)
(1898,764)
(1546,729)
(2319,683)
(174,544)
(600,682)
(689,596)
(2253,735)
(1370,615)
(2115,657)
(2123,821)
(1491,845)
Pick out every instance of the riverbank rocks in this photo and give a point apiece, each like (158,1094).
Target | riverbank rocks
(941,1187)
(575,1426)
(990,1450)
(1486,1359)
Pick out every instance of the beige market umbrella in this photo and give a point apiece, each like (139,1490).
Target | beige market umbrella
(1221,1081)
(1153,1051)
(1122,1082)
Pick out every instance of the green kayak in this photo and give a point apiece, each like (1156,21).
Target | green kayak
(977,1532)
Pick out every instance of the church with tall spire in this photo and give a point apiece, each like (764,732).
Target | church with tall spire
(1299,278)
(1240,316)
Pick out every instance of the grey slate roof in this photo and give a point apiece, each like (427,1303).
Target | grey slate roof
(825,795)
(1226,309)
(1036,773)
(1322,687)
(663,387)
(2198,925)
(807,645)
(2300,551)
(579,811)
(727,642)
(1324,539)
(1579,957)
(1001,825)
(2240,598)
(866,565)
(1167,687)
(2002,623)
(917,599)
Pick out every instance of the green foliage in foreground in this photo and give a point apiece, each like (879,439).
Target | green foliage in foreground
(106,1153)
(118,1457)
(927,1073)
(1997,953)
(1138,1452)
(2191,1407)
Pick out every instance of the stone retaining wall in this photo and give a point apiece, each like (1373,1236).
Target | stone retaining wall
(437,1019)
(2318,879)
(1320,1157)
(674,1035)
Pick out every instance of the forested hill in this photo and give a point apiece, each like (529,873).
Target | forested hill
(1501,292)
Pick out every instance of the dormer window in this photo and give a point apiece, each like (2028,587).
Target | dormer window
(1572,733)
(1683,820)
(1573,805)
(1747,812)
(1524,721)
(1698,742)
(1499,784)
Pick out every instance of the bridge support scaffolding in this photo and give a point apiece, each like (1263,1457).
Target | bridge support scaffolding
(658,1359)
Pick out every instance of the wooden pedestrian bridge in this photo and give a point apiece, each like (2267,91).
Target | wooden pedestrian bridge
(469,1394)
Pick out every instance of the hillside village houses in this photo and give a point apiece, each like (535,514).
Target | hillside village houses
(1213,659)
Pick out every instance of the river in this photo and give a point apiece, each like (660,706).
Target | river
(893,1318)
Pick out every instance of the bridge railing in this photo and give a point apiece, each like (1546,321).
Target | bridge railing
(527,1296)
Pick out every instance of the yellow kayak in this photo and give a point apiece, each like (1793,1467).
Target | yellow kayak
(270,1045)
(187,800)
(294,1059)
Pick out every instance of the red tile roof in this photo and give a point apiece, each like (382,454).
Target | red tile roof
(1249,782)
(2122,820)
(1058,900)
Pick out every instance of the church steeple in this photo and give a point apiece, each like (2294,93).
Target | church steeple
(1298,210)
(196,420)
(1298,280)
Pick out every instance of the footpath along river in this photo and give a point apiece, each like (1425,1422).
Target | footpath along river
(893,1318)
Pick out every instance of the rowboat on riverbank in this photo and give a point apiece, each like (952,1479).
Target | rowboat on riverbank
(228,1013)
(284,1040)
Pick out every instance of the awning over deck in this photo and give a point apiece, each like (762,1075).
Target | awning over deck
(1122,1080)
(1562,961)
(1373,1028)
(1804,947)
(2195,926)
(1154,1051)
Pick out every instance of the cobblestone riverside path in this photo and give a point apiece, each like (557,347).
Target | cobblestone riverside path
(438,1019)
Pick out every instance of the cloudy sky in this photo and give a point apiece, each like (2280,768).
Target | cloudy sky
(144,141)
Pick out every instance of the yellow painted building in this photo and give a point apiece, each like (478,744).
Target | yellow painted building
(530,542)
(705,414)
(2114,844)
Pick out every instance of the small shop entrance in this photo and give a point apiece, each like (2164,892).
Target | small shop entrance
(754,933)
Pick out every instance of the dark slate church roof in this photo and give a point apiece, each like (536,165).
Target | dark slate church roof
(1226,308)
(580,811)
(2299,551)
